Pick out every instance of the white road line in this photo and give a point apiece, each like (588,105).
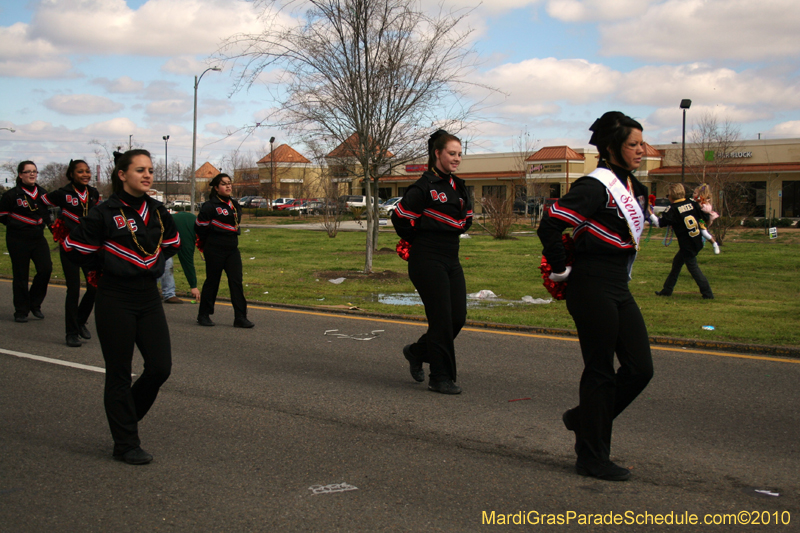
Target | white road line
(53,361)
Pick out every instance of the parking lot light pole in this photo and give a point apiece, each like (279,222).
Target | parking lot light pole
(685,104)
(166,169)
(194,136)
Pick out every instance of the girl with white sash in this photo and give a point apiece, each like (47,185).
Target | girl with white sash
(605,209)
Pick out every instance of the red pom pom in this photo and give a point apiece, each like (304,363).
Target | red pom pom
(403,249)
(60,231)
(93,278)
(557,289)
(200,244)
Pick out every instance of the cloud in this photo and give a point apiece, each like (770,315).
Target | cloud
(707,86)
(121,85)
(186,66)
(596,10)
(158,28)
(785,129)
(534,81)
(699,30)
(82,104)
(24,57)
(168,108)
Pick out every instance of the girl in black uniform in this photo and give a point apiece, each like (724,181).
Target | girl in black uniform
(129,237)
(432,215)
(217,229)
(605,313)
(75,199)
(25,217)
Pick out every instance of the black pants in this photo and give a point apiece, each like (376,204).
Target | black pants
(230,261)
(439,280)
(22,250)
(129,312)
(76,314)
(608,321)
(690,260)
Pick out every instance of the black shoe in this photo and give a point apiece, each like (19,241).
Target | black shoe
(414,366)
(204,320)
(73,341)
(708,297)
(607,472)
(663,293)
(445,387)
(85,333)
(20,318)
(569,418)
(136,456)
(242,322)
(37,313)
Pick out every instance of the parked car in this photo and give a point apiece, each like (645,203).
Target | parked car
(258,202)
(661,205)
(353,200)
(520,203)
(388,206)
(276,204)
(296,202)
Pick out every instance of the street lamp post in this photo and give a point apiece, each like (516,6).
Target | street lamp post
(271,166)
(685,104)
(194,135)
(12,130)
(166,169)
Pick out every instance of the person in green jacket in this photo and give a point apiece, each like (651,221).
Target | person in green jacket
(184,220)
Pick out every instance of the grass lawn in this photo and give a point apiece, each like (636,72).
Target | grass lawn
(755,280)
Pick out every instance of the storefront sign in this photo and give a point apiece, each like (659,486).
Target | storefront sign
(416,168)
(546,168)
(737,155)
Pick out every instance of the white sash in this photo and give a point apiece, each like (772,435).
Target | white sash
(626,201)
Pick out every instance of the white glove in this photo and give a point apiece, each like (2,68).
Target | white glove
(716,248)
(653,220)
(561,277)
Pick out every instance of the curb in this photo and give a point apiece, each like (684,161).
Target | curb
(737,347)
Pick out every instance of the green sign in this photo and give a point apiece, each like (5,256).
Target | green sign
(709,155)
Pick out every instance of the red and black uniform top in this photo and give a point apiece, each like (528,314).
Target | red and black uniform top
(128,236)
(23,211)
(685,217)
(217,223)
(75,202)
(434,211)
(601,231)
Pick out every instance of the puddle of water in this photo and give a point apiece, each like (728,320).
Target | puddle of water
(412,298)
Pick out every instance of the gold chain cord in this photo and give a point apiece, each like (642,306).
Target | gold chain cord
(136,241)
(85,204)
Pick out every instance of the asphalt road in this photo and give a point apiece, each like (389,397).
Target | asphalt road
(262,429)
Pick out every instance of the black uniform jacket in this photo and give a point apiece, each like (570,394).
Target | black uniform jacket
(431,208)
(23,212)
(217,223)
(600,226)
(105,235)
(685,217)
(73,203)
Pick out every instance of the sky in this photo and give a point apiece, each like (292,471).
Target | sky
(119,72)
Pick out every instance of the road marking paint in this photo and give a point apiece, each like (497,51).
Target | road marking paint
(518,334)
(53,361)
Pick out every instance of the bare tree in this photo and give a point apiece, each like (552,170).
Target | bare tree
(52,176)
(710,160)
(330,214)
(375,74)
(500,212)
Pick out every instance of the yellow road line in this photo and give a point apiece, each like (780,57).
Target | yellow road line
(512,333)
